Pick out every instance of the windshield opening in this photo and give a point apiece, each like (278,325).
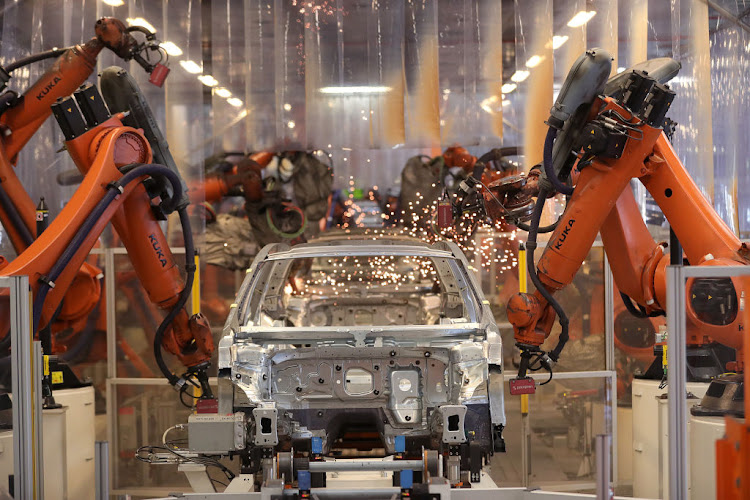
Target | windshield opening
(361,290)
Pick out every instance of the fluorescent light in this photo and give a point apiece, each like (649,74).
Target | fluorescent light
(507,88)
(506,102)
(520,75)
(620,69)
(291,124)
(139,21)
(171,49)
(558,41)
(190,66)
(235,102)
(208,80)
(222,92)
(354,90)
(287,106)
(489,103)
(534,61)
(114,3)
(581,18)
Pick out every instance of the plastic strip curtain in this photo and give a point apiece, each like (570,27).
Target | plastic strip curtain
(729,79)
(692,106)
(177,106)
(357,78)
(28,28)
(471,71)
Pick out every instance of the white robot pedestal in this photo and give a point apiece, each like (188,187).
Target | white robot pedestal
(650,438)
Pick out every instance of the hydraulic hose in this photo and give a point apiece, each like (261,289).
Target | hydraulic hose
(182,299)
(549,142)
(15,218)
(35,58)
(113,190)
(531,248)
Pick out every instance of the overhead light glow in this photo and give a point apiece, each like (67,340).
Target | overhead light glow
(506,102)
(235,102)
(534,61)
(507,88)
(489,104)
(291,124)
(520,75)
(620,69)
(139,21)
(114,3)
(355,90)
(208,80)
(171,49)
(190,66)
(558,41)
(581,18)
(287,106)
(222,92)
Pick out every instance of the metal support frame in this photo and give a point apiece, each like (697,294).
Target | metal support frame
(676,360)
(101,456)
(27,397)
(609,373)
(603,466)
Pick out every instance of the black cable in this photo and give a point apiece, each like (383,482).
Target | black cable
(35,58)
(543,229)
(641,311)
(207,461)
(183,297)
(549,142)
(531,248)
(113,190)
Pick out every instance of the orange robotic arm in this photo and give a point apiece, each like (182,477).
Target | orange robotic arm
(115,160)
(621,139)
(30,111)
(246,174)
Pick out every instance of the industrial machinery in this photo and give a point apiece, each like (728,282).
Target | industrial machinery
(131,180)
(603,134)
(381,349)
(20,118)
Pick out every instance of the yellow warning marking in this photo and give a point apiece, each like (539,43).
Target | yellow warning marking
(57,378)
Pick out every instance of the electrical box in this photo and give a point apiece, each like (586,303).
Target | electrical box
(212,433)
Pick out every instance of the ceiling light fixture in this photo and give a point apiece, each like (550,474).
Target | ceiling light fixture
(558,41)
(208,80)
(581,18)
(355,90)
(534,61)
(235,102)
(520,75)
(507,88)
(190,66)
(222,92)
(139,21)
(171,49)
(114,3)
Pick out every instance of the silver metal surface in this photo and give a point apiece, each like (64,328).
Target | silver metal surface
(365,465)
(101,457)
(405,401)
(25,451)
(453,423)
(676,361)
(215,433)
(603,467)
(266,433)
(358,250)
(37,408)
